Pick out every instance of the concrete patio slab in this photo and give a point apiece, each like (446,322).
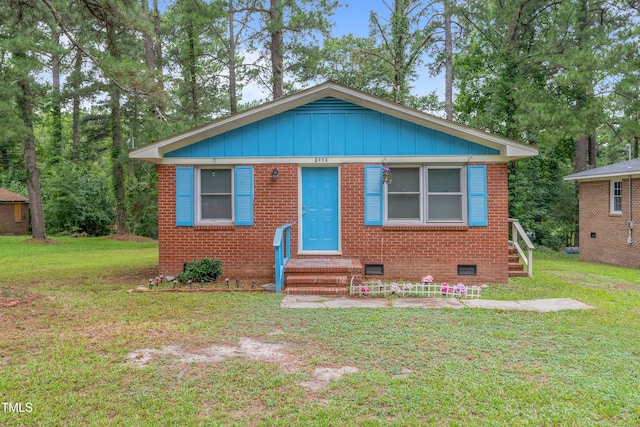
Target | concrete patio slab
(428,302)
(311,301)
(493,304)
(557,304)
(541,305)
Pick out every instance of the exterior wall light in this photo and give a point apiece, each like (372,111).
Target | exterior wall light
(274,173)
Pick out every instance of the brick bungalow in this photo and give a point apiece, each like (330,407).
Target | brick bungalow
(315,160)
(609,197)
(14,213)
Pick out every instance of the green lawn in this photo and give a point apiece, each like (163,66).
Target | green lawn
(65,350)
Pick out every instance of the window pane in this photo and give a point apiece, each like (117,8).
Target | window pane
(215,181)
(444,180)
(617,197)
(445,208)
(405,180)
(216,207)
(617,204)
(404,206)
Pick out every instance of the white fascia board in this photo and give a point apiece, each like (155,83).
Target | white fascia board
(334,160)
(606,177)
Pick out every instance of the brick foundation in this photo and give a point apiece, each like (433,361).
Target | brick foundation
(408,253)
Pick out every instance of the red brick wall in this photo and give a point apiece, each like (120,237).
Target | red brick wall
(610,243)
(408,253)
(8,224)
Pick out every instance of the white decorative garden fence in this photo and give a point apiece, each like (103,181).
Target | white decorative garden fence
(415,290)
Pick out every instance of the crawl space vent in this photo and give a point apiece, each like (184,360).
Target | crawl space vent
(467,270)
(373,269)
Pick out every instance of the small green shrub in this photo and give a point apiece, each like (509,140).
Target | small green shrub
(206,269)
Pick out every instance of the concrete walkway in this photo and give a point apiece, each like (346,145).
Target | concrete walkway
(539,305)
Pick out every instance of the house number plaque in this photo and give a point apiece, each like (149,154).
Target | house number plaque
(321,159)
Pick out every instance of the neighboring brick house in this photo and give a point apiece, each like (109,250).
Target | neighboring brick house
(14,213)
(607,209)
(315,160)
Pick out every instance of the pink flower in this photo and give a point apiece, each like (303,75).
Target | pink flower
(445,288)
(365,290)
(427,279)
(395,287)
(460,289)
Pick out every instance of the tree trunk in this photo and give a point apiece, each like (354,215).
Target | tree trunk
(116,156)
(158,56)
(150,57)
(148,42)
(75,118)
(275,16)
(56,102)
(593,150)
(193,82)
(233,100)
(448,64)
(25,104)
(582,148)
(398,35)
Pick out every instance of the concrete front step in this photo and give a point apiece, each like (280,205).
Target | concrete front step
(317,290)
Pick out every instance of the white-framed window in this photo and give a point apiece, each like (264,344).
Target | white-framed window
(616,197)
(426,194)
(214,201)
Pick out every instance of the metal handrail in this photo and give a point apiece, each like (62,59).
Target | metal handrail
(518,231)
(282,254)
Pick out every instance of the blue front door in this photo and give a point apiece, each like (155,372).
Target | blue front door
(320,212)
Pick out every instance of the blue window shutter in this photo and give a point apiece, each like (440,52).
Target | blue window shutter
(373,195)
(244,195)
(477,185)
(184,195)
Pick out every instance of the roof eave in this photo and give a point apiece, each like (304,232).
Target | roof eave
(623,174)
(155,152)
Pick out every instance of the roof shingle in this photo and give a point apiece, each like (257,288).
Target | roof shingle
(625,168)
(8,196)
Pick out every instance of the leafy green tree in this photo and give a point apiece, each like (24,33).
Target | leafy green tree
(403,40)
(22,42)
(192,49)
(78,200)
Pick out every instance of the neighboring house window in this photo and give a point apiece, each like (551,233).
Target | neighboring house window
(616,197)
(426,194)
(215,191)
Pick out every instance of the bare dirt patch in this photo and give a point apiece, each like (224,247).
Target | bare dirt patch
(12,297)
(323,376)
(248,348)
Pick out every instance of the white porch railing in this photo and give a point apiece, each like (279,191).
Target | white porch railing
(518,234)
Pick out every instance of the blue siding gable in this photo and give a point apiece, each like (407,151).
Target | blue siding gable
(331,127)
